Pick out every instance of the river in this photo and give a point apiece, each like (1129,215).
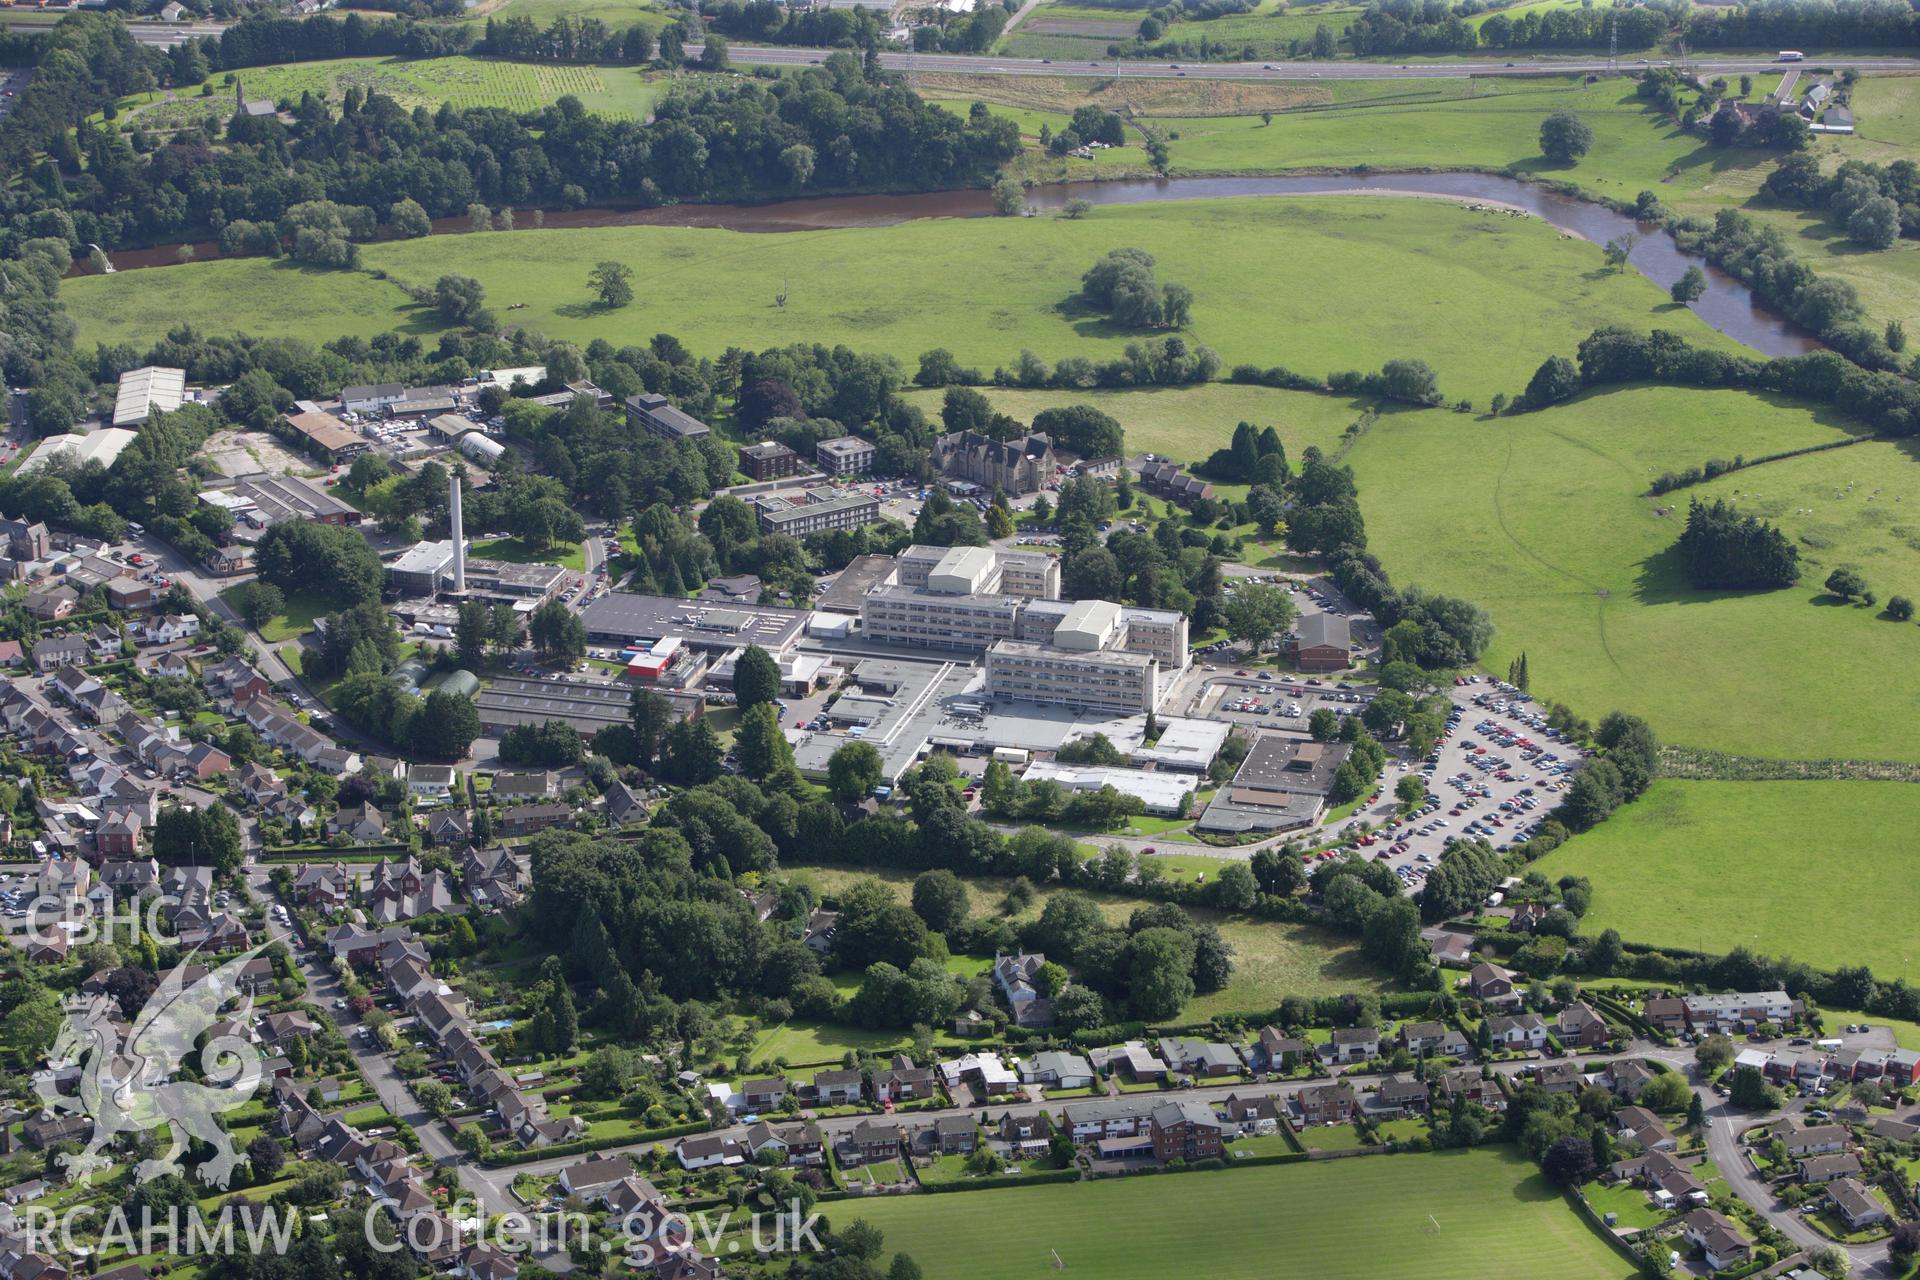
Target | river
(1728,306)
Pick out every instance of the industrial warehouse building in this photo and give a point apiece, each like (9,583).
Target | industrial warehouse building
(589,706)
(143,392)
(624,618)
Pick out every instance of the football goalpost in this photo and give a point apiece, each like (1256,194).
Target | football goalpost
(1433,1225)
(1059,1264)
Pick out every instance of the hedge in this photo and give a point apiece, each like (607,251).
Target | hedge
(1002,1180)
(495,1159)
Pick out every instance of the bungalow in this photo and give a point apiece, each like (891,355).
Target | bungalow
(1493,986)
(1133,1058)
(1520,1031)
(1275,1050)
(25,1192)
(1402,1095)
(1057,1070)
(1451,948)
(430,781)
(1815,1170)
(985,1073)
(1665,1178)
(1717,1238)
(707,1151)
(363,823)
(1578,1024)
(1432,1039)
(1815,1140)
(1351,1044)
(590,1180)
(1203,1059)
(1893,1130)
(1333,1103)
(513,788)
(1854,1203)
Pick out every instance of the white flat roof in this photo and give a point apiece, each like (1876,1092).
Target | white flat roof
(1160,792)
(145,389)
(101,446)
(1087,625)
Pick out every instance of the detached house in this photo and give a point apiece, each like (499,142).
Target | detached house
(362,823)
(1493,986)
(1433,1040)
(1275,1050)
(1351,1044)
(901,1081)
(1333,1103)
(1578,1024)
(1716,1237)
(1521,1031)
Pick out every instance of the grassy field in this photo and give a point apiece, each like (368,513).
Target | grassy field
(1480,296)
(1542,520)
(295,622)
(568,555)
(1814,870)
(1493,124)
(617,14)
(465,82)
(1270,960)
(1497,1219)
(1188,423)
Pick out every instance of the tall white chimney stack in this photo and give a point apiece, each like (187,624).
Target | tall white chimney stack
(459,535)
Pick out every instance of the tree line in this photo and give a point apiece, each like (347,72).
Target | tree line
(1888,403)
(839,126)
